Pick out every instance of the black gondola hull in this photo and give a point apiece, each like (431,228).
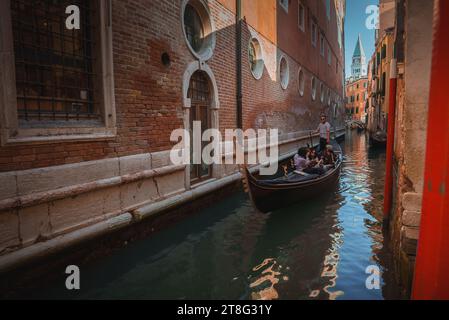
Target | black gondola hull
(267,198)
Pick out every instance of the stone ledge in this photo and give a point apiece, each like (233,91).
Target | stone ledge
(411,218)
(46,196)
(409,240)
(412,201)
(28,254)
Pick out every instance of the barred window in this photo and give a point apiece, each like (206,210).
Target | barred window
(193,27)
(55,74)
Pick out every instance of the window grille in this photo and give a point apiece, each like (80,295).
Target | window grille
(54,65)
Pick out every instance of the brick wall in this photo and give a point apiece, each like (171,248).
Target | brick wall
(149,95)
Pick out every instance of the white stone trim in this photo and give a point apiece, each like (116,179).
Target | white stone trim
(260,65)
(190,70)
(283,5)
(214,107)
(301,84)
(313,82)
(302,26)
(209,28)
(322,92)
(284,84)
(11,132)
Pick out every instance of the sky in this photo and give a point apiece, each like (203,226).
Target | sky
(355,24)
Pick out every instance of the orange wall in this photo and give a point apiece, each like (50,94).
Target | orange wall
(259,14)
(281,28)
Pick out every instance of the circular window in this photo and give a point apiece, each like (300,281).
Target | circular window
(313,88)
(302,81)
(322,92)
(284,73)
(198,29)
(255,58)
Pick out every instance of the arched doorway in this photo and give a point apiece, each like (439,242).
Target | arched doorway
(199,94)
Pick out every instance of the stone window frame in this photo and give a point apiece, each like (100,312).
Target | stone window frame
(322,44)
(203,11)
(301,83)
(322,92)
(328,10)
(12,133)
(314,33)
(260,65)
(214,109)
(284,83)
(313,86)
(284,4)
(301,19)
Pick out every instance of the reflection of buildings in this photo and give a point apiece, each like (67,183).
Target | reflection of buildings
(357,84)
(86,116)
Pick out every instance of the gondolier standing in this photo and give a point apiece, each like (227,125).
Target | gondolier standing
(324,129)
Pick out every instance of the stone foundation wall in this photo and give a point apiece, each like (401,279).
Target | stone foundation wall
(411,135)
(39,207)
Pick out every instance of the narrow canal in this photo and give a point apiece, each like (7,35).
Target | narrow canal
(318,249)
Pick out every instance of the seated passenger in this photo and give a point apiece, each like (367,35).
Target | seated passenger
(303,164)
(300,159)
(313,157)
(328,158)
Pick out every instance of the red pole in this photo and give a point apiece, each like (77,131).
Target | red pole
(431,279)
(388,193)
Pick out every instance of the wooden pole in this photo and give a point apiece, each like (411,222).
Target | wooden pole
(431,278)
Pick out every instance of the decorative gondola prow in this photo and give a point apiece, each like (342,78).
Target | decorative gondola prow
(245,182)
(285,167)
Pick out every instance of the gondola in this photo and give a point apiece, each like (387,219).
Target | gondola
(269,194)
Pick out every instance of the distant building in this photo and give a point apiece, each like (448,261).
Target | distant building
(357,85)
(359,64)
(356,98)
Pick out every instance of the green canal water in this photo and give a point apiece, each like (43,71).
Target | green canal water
(318,249)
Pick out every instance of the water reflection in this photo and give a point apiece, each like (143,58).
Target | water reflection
(317,249)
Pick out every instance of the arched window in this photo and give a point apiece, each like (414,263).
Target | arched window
(255,58)
(284,73)
(322,92)
(313,88)
(301,82)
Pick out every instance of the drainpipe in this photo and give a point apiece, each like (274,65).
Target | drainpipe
(431,279)
(388,190)
(238,53)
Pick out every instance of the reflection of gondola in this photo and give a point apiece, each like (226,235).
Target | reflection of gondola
(270,194)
